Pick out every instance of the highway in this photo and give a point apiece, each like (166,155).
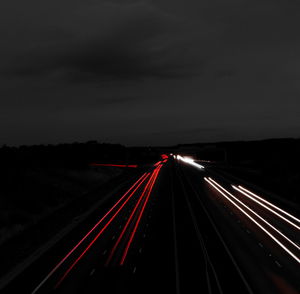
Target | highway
(179,227)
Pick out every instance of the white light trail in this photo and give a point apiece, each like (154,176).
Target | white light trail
(250,217)
(265,206)
(269,203)
(261,218)
(190,161)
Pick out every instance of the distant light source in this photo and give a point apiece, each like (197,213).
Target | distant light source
(190,160)
(187,159)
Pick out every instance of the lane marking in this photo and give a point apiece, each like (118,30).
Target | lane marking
(143,197)
(207,260)
(92,271)
(250,217)
(266,207)
(156,172)
(278,264)
(100,233)
(177,276)
(269,203)
(257,215)
(132,188)
(246,284)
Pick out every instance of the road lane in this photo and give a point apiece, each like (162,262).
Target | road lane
(273,262)
(171,232)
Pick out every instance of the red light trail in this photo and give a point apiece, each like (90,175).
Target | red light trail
(129,219)
(149,179)
(114,165)
(100,233)
(139,218)
(135,185)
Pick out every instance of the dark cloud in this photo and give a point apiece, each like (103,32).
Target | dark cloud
(149,71)
(139,44)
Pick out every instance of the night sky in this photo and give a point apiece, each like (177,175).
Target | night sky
(148,72)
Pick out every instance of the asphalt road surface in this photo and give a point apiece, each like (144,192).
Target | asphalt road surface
(178,228)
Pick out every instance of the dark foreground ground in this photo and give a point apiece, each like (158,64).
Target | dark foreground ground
(175,233)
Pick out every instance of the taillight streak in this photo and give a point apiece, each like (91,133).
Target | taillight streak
(129,220)
(114,165)
(141,179)
(139,219)
(100,233)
